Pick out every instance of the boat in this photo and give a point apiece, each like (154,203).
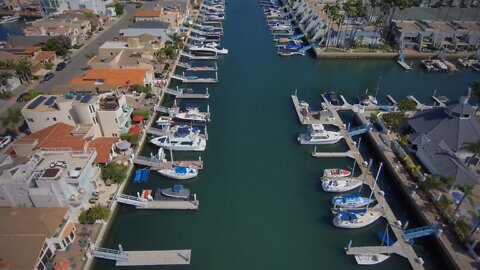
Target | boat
(177,192)
(364,98)
(476,66)
(292,47)
(280,27)
(164,121)
(318,135)
(370,259)
(467,62)
(9,19)
(428,64)
(340,184)
(208,48)
(335,173)
(179,172)
(358,218)
(184,139)
(332,97)
(193,115)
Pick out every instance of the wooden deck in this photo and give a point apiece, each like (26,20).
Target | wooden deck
(172,205)
(157,257)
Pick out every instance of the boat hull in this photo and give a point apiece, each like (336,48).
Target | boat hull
(363,220)
(171,174)
(338,186)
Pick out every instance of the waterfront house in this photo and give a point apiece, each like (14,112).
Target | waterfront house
(30,237)
(33,54)
(442,152)
(423,35)
(19,5)
(125,59)
(96,6)
(53,6)
(106,115)
(163,34)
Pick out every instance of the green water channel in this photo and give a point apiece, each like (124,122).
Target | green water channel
(261,203)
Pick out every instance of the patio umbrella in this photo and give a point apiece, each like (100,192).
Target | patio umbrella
(138,118)
(123,145)
(135,129)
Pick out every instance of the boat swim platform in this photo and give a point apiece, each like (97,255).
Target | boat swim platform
(378,193)
(304,120)
(156,257)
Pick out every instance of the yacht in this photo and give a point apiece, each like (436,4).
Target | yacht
(353,219)
(336,173)
(183,139)
(280,26)
(318,135)
(9,19)
(192,115)
(340,184)
(179,172)
(370,259)
(208,48)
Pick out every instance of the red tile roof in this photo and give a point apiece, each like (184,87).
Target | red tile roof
(103,146)
(57,136)
(112,76)
(135,129)
(148,13)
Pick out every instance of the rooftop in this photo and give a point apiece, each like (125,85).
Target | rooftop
(56,136)
(112,77)
(114,45)
(45,103)
(148,13)
(23,232)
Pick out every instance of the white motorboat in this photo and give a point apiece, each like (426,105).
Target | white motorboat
(193,115)
(184,139)
(179,172)
(280,27)
(208,48)
(373,100)
(164,121)
(176,192)
(9,19)
(370,259)
(318,135)
(336,173)
(466,62)
(353,219)
(341,184)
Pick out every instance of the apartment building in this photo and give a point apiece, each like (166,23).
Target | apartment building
(96,6)
(29,237)
(108,114)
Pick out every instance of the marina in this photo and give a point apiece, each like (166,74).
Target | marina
(226,217)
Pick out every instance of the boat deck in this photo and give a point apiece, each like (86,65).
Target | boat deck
(197,164)
(156,257)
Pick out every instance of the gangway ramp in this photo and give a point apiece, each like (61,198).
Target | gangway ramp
(131,200)
(110,254)
(359,130)
(420,232)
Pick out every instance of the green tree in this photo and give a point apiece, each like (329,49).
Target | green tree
(5,74)
(33,93)
(60,44)
(403,140)
(393,119)
(445,204)
(24,69)
(114,171)
(144,113)
(118,9)
(474,148)
(407,105)
(133,138)
(12,118)
(97,212)
(467,193)
(48,65)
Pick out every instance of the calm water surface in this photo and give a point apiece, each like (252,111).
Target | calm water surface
(261,204)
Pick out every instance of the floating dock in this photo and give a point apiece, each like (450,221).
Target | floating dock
(141,203)
(178,93)
(348,154)
(194,79)
(305,120)
(143,257)
(392,100)
(199,57)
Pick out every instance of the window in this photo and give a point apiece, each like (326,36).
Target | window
(91,108)
(49,254)
(57,246)
(54,119)
(69,117)
(30,120)
(48,118)
(94,120)
(114,134)
(72,235)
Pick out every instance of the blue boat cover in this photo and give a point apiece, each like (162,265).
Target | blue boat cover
(385,238)
(144,175)
(292,47)
(177,188)
(137,177)
(182,131)
(180,170)
(183,28)
(357,211)
(347,216)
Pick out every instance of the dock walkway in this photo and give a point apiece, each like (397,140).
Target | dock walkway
(181,94)
(407,249)
(348,154)
(305,120)
(156,257)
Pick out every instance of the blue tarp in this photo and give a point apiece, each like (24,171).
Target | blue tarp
(177,188)
(137,177)
(183,28)
(180,170)
(144,176)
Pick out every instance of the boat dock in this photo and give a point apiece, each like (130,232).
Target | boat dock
(147,161)
(178,93)
(348,154)
(199,57)
(392,100)
(141,203)
(420,106)
(396,248)
(189,67)
(143,257)
(407,249)
(438,101)
(323,117)
(194,79)
(197,164)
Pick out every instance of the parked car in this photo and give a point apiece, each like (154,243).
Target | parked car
(5,140)
(61,66)
(22,97)
(47,77)
(67,60)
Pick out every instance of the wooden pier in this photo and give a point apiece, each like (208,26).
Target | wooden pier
(156,257)
(156,131)
(437,100)
(408,250)
(171,205)
(180,94)
(197,164)
(194,79)
(348,154)
(305,120)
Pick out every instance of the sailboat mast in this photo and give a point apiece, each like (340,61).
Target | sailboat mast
(378,86)
(375,181)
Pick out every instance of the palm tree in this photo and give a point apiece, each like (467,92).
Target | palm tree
(474,148)
(5,74)
(177,41)
(12,118)
(467,193)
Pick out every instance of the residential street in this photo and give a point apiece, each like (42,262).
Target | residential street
(75,68)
